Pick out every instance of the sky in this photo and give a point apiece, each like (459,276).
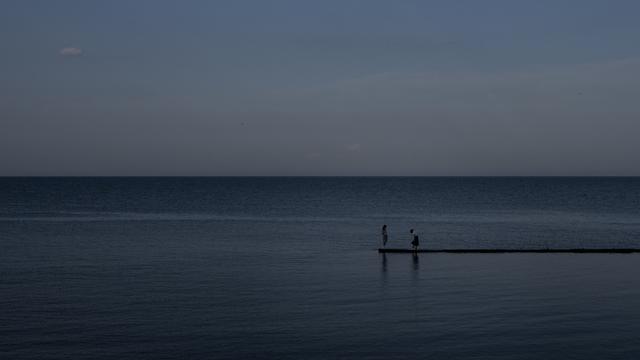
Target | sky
(331,87)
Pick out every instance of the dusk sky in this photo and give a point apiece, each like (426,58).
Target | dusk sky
(331,87)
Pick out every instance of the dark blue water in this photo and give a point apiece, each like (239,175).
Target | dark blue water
(222,268)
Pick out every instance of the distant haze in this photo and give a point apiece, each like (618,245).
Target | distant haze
(332,87)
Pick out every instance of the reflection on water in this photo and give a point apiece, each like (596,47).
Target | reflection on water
(401,258)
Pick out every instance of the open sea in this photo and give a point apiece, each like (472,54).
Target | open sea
(287,268)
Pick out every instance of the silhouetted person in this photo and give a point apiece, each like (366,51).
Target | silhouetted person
(385,235)
(415,240)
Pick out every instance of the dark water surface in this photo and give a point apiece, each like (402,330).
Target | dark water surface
(217,268)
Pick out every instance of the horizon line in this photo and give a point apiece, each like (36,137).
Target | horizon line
(319,176)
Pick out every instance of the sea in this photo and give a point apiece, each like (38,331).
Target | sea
(288,268)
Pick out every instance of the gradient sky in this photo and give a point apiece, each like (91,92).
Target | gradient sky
(331,87)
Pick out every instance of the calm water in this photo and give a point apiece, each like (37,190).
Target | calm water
(285,268)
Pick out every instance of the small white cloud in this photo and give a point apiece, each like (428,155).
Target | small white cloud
(354,147)
(71,51)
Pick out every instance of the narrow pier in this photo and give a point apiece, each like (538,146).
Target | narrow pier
(500,251)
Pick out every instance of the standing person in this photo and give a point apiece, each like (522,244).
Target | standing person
(385,236)
(415,240)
